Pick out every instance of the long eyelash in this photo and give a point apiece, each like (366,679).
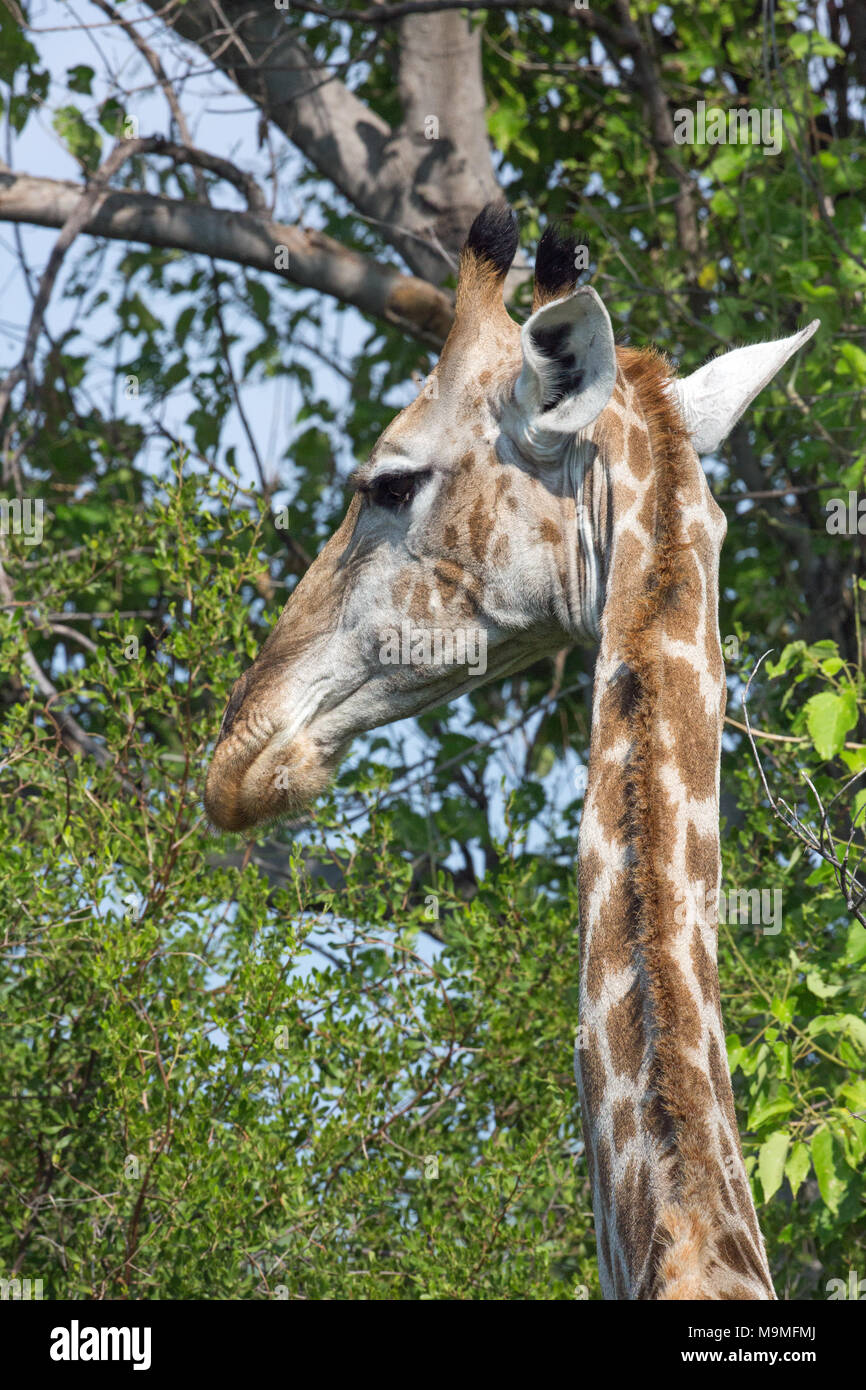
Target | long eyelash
(383,480)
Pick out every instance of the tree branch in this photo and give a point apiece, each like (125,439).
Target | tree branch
(316,261)
(423,189)
(648,82)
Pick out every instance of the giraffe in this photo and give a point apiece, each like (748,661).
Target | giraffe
(544,488)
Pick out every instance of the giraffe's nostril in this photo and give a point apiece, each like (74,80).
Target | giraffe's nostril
(236,699)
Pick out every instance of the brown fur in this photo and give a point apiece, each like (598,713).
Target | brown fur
(688,1252)
(479,285)
(688,1226)
(547,294)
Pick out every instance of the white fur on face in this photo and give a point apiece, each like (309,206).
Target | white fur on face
(497,550)
(515,595)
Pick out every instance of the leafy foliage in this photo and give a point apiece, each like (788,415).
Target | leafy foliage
(276,1070)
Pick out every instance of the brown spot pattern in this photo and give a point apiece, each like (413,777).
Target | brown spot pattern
(591,1072)
(400,588)
(625,1034)
(639,451)
(705,972)
(479,528)
(612,946)
(688,1019)
(624,1127)
(696,742)
(419,605)
(721,1079)
(613,435)
(702,858)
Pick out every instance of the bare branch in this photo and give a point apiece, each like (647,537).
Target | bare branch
(315,261)
(423,188)
(215,164)
(155,64)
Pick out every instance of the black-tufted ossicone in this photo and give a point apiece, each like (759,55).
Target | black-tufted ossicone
(556,268)
(493,236)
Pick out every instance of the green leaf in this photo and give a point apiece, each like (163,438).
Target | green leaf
(111,117)
(826,1161)
(505,124)
(782,1009)
(797,1166)
(855,946)
(819,987)
(822,47)
(854,759)
(829,717)
(854,359)
(765,1109)
(80,79)
(736,1051)
(543,760)
(791,653)
(259,297)
(184,324)
(855,1027)
(771,1162)
(78,137)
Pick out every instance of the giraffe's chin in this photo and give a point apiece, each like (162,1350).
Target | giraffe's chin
(248,788)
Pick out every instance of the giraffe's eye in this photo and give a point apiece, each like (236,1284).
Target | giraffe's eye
(396,490)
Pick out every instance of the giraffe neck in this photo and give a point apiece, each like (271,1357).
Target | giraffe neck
(673,1209)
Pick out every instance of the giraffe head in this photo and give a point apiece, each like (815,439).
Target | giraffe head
(477,539)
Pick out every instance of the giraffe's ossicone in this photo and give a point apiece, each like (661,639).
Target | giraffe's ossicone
(543,488)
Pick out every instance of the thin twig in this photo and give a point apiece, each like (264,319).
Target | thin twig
(822,844)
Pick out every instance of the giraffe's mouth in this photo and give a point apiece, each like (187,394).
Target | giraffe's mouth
(280,746)
(269,761)
(251,782)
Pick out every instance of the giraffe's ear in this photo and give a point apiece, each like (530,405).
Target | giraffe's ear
(569,364)
(713,398)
